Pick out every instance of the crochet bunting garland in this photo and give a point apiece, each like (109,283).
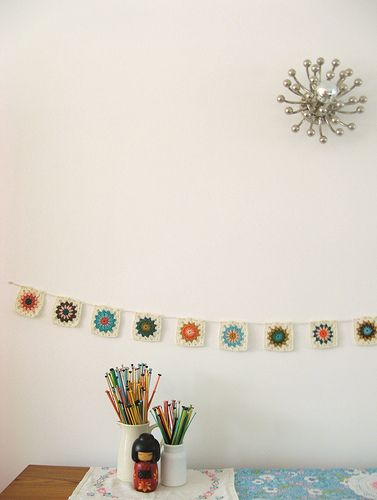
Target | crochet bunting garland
(147,327)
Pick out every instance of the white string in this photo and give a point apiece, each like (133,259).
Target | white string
(303,323)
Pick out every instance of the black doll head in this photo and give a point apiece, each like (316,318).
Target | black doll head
(148,447)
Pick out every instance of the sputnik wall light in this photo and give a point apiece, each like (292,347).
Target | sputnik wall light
(322,102)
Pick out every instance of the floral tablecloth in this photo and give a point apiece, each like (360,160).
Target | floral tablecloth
(226,484)
(279,484)
(101,482)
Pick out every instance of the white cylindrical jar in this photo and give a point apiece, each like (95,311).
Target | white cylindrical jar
(173,465)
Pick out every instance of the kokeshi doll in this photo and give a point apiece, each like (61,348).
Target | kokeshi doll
(145,454)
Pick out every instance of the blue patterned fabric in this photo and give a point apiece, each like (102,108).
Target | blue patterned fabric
(340,484)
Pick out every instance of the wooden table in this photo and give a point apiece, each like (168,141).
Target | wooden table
(38,482)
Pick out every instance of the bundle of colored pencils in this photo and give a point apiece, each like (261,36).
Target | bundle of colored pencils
(173,420)
(129,392)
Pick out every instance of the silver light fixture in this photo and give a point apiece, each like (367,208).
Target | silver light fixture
(324,100)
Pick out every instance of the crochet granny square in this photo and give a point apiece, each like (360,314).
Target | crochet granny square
(66,312)
(29,302)
(279,337)
(147,327)
(323,334)
(365,331)
(233,336)
(105,321)
(190,332)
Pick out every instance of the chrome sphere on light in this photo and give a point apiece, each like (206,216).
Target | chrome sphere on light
(322,102)
(326,90)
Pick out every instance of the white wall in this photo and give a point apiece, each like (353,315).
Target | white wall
(146,164)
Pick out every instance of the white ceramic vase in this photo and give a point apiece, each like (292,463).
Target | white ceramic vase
(129,433)
(173,465)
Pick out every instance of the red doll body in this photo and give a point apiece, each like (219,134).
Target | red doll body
(145,476)
(145,454)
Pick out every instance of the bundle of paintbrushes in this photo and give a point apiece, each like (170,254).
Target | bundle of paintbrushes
(173,420)
(129,392)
